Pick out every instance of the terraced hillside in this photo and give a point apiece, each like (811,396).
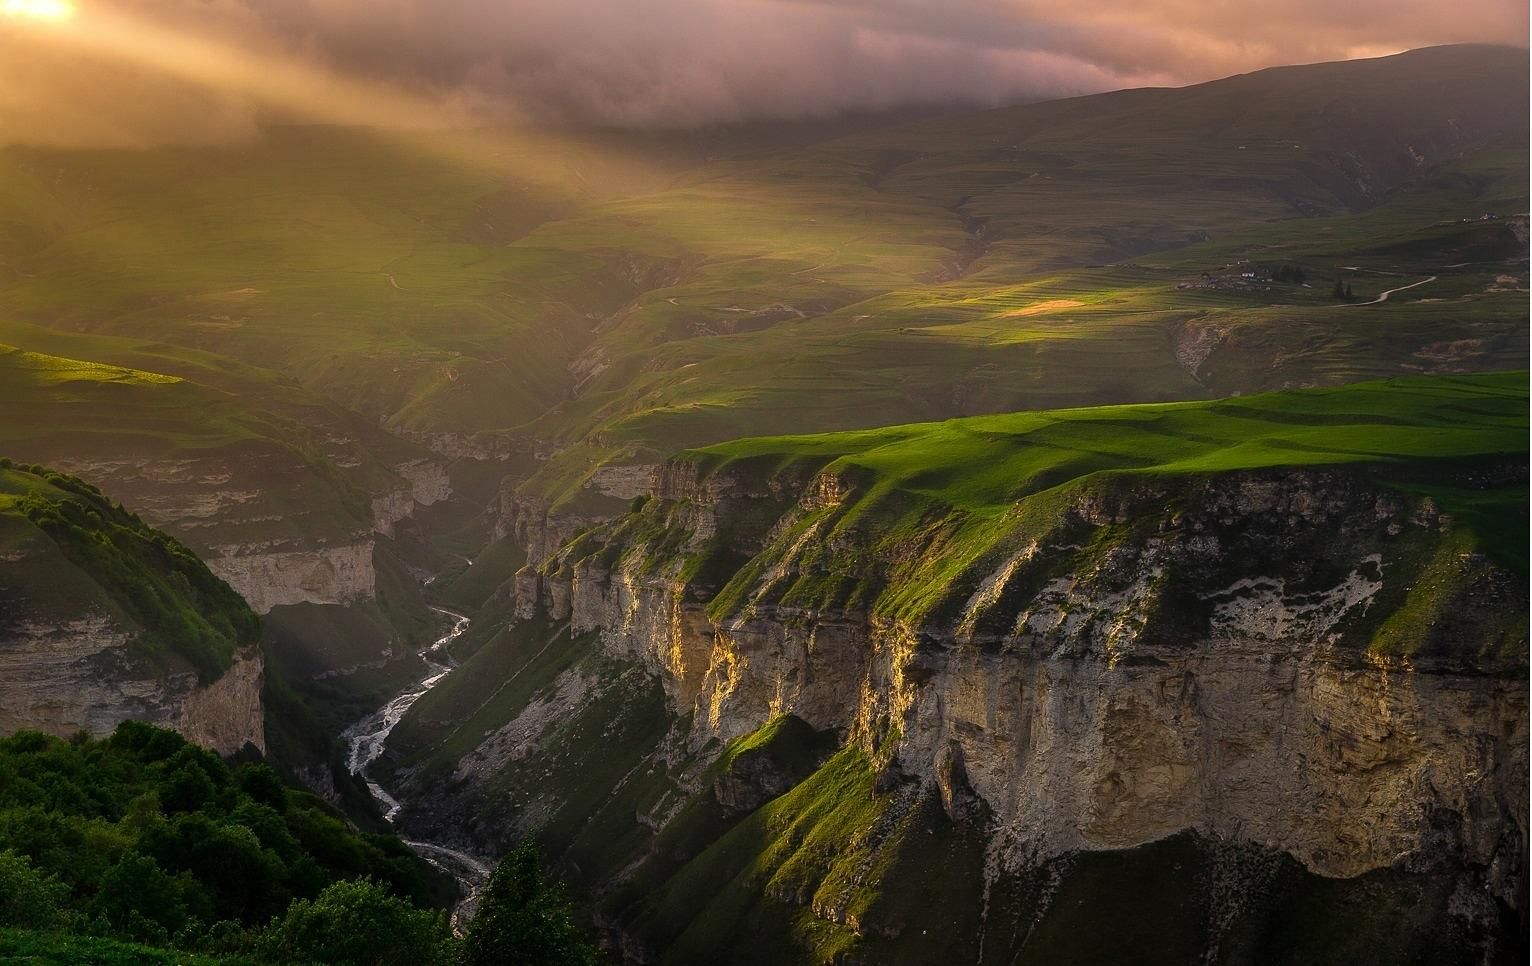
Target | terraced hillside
(924,690)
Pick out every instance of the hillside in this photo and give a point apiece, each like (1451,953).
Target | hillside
(886,693)
(962,485)
(470,284)
(555,316)
(959,265)
(104,619)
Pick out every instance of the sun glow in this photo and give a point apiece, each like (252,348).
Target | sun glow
(52,10)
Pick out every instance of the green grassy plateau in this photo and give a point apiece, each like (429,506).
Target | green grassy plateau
(965,491)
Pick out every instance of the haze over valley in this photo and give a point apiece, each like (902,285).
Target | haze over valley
(776,483)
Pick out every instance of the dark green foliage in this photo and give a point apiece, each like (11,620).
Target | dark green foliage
(182,607)
(28,897)
(146,837)
(360,923)
(69,949)
(524,918)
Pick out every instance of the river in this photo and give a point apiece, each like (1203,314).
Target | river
(365,741)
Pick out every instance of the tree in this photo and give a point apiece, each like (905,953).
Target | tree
(358,922)
(524,918)
(28,896)
(136,898)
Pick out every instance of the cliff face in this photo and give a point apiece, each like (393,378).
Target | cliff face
(104,619)
(1306,666)
(64,677)
(969,691)
(1166,657)
(238,511)
(267,577)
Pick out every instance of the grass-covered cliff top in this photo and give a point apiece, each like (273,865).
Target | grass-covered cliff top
(912,522)
(984,464)
(66,551)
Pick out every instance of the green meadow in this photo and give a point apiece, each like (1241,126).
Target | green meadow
(936,506)
(624,299)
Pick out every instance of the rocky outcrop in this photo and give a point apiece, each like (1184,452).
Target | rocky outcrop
(269,578)
(537,528)
(1211,654)
(227,715)
(64,677)
(236,515)
(428,484)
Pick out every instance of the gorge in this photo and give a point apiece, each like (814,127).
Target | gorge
(1060,533)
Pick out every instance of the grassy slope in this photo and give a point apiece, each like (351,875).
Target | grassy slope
(985,463)
(1031,258)
(75,411)
(962,488)
(73,549)
(46,949)
(920,271)
(374,266)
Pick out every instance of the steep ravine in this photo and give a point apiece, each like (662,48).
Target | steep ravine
(365,740)
(1304,666)
(1238,681)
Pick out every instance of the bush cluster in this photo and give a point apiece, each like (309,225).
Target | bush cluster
(145,837)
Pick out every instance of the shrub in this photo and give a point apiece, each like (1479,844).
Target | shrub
(28,896)
(358,923)
(524,918)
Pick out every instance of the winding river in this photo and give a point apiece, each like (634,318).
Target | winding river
(365,741)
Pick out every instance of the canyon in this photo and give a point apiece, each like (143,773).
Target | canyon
(1304,665)
(989,536)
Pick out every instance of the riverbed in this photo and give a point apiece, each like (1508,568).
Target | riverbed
(365,741)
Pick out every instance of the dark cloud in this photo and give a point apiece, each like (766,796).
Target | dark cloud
(682,62)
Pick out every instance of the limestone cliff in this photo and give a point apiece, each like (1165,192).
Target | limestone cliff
(1166,657)
(103,620)
(83,675)
(1213,689)
(279,533)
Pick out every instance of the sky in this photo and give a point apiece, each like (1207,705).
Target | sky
(125,72)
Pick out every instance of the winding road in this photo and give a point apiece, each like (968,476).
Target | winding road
(1385,295)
